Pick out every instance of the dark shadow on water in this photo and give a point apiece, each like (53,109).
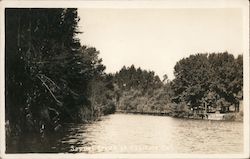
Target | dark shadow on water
(52,142)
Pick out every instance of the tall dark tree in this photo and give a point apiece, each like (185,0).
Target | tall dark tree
(48,72)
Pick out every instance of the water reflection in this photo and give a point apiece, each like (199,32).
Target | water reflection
(126,133)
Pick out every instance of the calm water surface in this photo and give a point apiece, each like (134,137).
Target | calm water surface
(129,133)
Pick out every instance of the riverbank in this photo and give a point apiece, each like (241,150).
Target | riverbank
(210,116)
(145,113)
(224,116)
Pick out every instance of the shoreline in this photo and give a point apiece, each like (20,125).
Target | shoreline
(210,116)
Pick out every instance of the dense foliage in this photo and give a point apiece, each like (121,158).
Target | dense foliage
(48,73)
(141,91)
(214,79)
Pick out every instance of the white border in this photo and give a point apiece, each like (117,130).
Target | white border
(243,4)
(127,3)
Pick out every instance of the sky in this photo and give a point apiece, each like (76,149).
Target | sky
(155,39)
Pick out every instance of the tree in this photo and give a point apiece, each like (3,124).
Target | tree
(47,71)
(139,90)
(204,77)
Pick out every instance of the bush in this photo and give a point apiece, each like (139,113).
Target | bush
(229,117)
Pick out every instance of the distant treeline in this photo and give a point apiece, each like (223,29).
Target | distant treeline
(141,91)
(214,79)
(52,79)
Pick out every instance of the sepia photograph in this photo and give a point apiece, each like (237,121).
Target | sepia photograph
(167,79)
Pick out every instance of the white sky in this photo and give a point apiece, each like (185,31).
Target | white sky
(155,39)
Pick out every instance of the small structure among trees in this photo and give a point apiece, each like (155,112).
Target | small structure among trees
(209,83)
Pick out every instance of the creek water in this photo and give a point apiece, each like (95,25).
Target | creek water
(130,133)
